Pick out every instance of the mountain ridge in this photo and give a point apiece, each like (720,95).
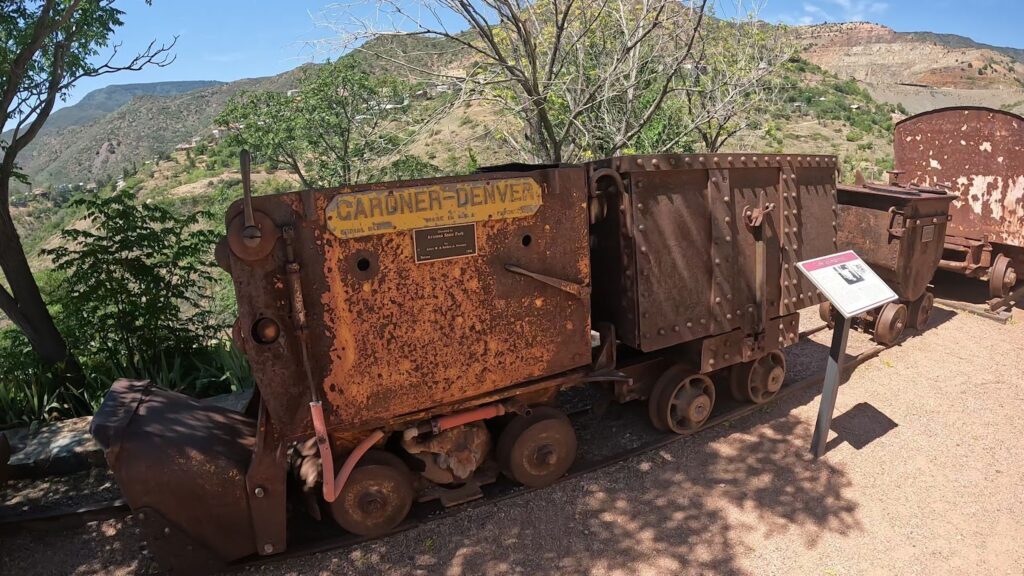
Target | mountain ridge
(920,70)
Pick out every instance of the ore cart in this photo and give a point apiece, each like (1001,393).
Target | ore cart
(408,339)
(978,154)
(384,324)
(694,265)
(899,232)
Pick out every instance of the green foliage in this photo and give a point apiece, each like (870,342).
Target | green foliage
(854,136)
(130,289)
(340,128)
(132,281)
(814,91)
(29,391)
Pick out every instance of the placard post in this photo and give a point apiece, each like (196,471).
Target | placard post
(852,288)
(830,389)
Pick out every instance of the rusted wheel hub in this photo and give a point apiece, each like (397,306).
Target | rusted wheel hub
(889,324)
(1001,277)
(825,313)
(538,449)
(681,401)
(921,310)
(377,496)
(760,380)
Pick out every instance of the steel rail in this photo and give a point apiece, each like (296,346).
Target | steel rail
(339,540)
(331,537)
(64,518)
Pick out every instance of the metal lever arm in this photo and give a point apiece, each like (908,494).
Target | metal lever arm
(251,234)
(578,290)
(755,220)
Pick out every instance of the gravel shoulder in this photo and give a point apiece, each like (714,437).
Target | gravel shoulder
(922,477)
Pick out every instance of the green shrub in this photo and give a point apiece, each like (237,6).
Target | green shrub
(134,294)
(132,278)
(854,136)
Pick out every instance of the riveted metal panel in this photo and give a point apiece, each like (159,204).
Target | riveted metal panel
(696,256)
(673,227)
(812,232)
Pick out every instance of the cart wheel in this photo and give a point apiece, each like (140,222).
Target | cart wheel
(758,381)
(920,310)
(889,324)
(1001,277)
(376,497)
(538,449)
(681,400)
(825,313)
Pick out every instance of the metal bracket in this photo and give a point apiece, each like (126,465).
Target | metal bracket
(754,218)
(625,203)
(580,291)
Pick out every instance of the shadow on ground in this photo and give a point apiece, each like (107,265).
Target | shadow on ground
(951,286)
(694,506)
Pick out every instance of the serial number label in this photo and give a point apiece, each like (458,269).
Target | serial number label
(396,209)
(444,242)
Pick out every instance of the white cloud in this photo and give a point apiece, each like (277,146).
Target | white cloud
(836,11)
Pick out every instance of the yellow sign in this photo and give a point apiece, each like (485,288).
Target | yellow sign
(381,211)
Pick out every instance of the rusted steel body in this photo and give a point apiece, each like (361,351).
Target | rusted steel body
(389,328)
(181,465)
(978,154)
(676,260)
(898,231)
(391,338)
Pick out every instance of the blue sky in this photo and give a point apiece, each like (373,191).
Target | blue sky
(232,39)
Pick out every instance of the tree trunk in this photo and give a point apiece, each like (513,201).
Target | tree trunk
(27,309)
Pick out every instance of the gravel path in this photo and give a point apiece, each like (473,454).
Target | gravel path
(923,476)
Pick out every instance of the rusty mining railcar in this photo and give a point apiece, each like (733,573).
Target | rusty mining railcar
(899,232)
(978,154)
(413,336)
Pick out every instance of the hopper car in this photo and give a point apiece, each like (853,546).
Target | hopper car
(408,339)
(978,155)
(899,232)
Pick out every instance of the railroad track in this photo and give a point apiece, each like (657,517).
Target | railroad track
(331,538)
(62,519)
(317,537)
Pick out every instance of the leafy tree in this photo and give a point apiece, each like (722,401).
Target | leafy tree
(46,46)
(737,82)
(340,127)
(573,79)
(133,279)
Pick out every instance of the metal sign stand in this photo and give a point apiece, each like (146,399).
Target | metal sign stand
(830,389)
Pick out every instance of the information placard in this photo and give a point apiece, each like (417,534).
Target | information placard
(850,284)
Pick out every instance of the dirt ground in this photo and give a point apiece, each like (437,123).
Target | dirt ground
(922,476)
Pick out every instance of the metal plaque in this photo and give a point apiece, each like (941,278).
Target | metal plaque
(848,282)
(444,242)
(395,209)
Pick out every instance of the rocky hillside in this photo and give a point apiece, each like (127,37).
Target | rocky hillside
(124,126)
(919,70)
(876,54)
(97,139)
